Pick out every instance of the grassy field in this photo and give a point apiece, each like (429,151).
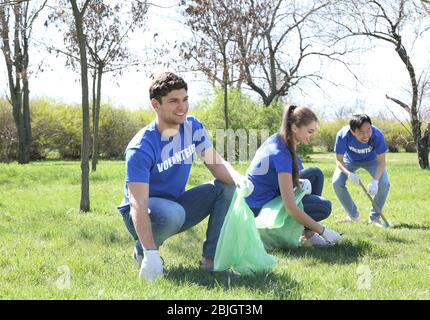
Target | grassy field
(51,251)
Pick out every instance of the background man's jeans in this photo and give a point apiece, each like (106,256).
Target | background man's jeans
(171,217)
(339,185)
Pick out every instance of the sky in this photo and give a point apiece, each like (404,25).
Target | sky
(380,72)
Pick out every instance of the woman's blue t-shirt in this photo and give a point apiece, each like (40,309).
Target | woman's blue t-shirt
(272,157)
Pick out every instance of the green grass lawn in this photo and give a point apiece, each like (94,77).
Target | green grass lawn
(44,239)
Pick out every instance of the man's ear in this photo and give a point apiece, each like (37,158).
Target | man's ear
(353,133)
(155,104)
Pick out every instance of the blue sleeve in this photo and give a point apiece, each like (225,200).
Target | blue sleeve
(381,146)
(138,164)
(282,162)
(340,145)
(201,137)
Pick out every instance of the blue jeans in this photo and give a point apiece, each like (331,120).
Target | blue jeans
(171,217)
(339,185)
(315,206)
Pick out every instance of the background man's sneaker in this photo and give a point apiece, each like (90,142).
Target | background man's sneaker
(137,258)
(350,219)
(376,222)
(315,240)
(354,219)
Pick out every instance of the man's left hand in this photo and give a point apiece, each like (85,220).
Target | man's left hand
(372,188)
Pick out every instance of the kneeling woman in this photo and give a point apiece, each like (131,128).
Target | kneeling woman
(276,170)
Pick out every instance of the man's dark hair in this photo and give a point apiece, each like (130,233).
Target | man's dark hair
(358,120)
(164,83)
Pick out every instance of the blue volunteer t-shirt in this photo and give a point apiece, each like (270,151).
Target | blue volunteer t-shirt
(356,151)
(161,162)
(271,158)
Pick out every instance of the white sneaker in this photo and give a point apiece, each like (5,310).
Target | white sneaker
(376,222)
(137,258)
(354,219)
(315,240)
(350,219)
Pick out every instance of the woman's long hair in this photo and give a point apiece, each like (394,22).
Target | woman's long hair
(300,116)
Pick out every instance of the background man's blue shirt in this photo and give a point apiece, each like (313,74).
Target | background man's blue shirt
(356,151)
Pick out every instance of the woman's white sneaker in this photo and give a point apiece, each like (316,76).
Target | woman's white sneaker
(315,240)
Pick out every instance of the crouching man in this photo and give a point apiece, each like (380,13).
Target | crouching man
(158,163)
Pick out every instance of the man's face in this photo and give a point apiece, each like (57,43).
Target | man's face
(173,107)
(363,133)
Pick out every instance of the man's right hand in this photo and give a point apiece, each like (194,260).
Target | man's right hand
(152,266)
(354,178)
(246,185)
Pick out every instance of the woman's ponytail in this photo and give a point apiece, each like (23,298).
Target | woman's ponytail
(286,133)
(299,116)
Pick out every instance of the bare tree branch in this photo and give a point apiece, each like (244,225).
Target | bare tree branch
(400,103)
(400,121)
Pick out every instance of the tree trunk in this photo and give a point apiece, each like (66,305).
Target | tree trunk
(85,182)
(19,123)
(94,103)
(423,149)
(96,119)
(19,77)
(17,73)
(227,121)
(225,88)
(423,154)
(25,85)
(26,118)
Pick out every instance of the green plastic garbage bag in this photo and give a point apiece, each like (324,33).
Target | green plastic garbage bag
(239,245)
(278,229)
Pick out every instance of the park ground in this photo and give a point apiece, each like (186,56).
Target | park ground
(51,251)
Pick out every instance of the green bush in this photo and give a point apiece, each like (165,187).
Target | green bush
(325,135)
(8,134)
(57,127)
(244,113)
(391,134)
(396,136)
(304,150)
(117,127)
(57,130)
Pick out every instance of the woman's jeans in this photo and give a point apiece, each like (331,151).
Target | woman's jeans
(315,206)
(339,185)
(171,217)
